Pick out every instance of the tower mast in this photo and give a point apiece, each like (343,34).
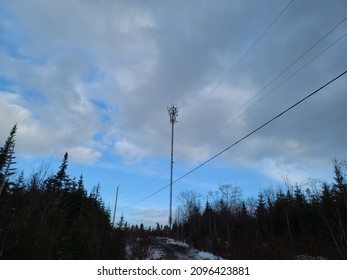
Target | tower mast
(173,113)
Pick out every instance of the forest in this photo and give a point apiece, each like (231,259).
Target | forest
(52,216)
(282,223)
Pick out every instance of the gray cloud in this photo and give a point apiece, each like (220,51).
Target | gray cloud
(84,62)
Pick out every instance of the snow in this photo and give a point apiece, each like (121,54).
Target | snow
(178,243)
(156,253)
(207,256)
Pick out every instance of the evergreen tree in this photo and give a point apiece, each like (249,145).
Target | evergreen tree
(62,179)
(19,184)
(207,217)
(7,159)
(80,186)
(339,187)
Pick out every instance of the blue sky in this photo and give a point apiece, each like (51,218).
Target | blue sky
(94,78)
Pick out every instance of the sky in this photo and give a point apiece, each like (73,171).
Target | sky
(94,78)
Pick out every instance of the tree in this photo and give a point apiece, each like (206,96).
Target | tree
(19,184)
(122,224)
(190,211)
(230,203)
(189,200)
(231,195)
(80,187)
(261,214)
(340,185)
(207,219)
(7,158)
(62,179)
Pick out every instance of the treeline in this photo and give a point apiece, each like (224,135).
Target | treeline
(51,216)
(287,223)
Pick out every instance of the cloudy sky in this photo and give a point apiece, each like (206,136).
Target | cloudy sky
(94,78)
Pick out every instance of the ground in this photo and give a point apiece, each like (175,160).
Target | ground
(169,249)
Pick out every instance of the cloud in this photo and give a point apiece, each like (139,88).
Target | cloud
(129,152)
(281,168)
(39,136)
(59,60)
(83,154)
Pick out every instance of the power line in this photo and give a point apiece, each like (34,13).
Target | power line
(225,76)
(260,127)
(246,53)
(229,117)
(244,137)
(130,182)
(224,123)
(191,171)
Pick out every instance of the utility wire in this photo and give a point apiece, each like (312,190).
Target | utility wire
(247,109)
(246,53)
(267,85)
(229,117)
(227,74)
(243,138)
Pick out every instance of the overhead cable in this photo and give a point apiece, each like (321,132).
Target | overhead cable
(244,137)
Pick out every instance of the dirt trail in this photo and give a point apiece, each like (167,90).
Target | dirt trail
(172,251)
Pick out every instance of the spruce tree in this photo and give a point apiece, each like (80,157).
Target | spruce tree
(62,178)
(7,159)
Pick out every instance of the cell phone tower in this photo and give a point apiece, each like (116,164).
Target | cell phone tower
(173,113)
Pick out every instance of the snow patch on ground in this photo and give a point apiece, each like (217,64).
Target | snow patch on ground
(155,254)
(178,243)
(192,253)
(201,255)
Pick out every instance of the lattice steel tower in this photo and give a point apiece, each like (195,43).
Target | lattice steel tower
(173,113)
